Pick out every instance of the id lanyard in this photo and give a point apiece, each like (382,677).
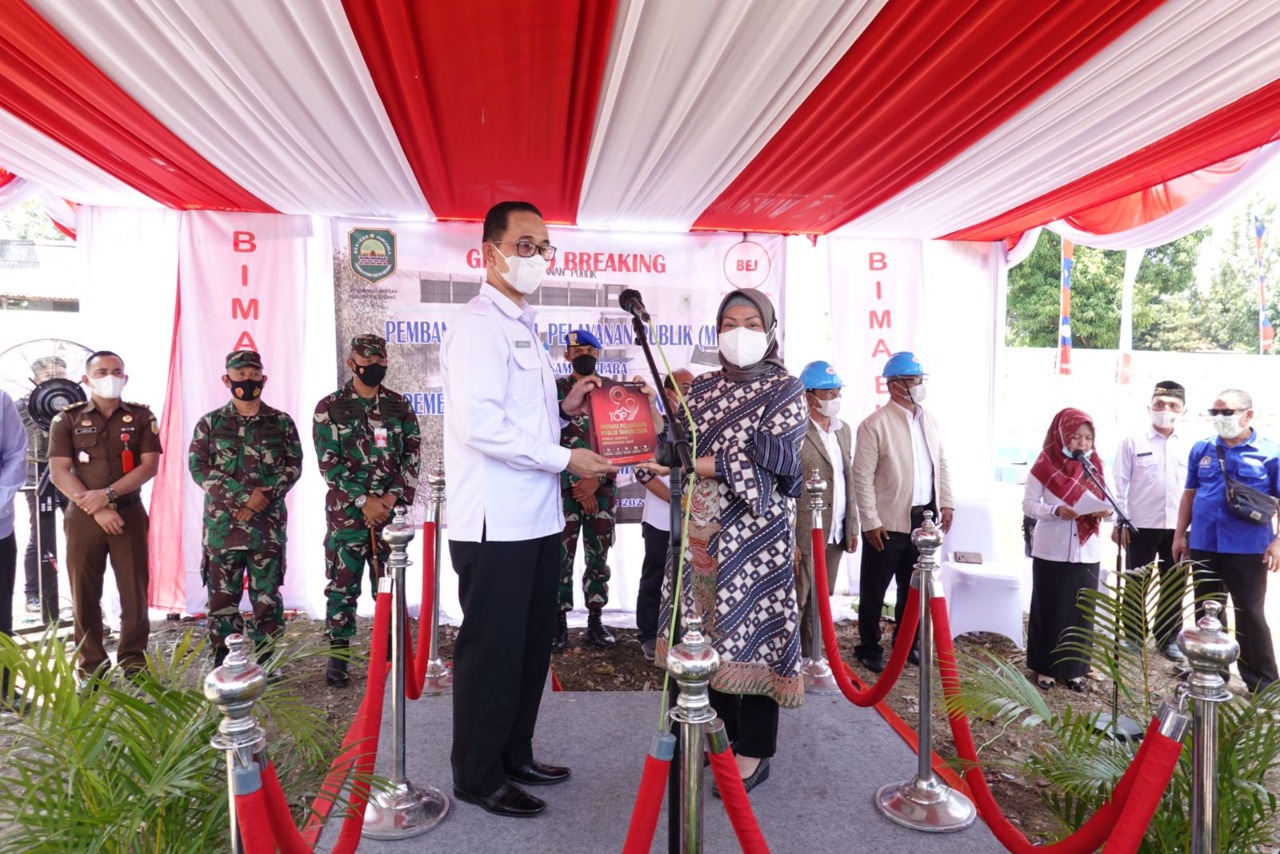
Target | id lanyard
(379,432)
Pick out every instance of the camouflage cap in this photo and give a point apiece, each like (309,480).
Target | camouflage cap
(243,359)
(369,346)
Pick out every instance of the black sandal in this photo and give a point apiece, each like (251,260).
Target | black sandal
(1078,685)
(1045,683)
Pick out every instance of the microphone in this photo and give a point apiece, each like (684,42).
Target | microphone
(1083,459)
(632,303)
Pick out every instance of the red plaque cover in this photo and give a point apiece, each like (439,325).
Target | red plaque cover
(622,427)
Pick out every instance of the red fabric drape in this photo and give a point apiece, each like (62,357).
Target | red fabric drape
(924,82)
(52,86)
(490,100)
(6,177)
(1235,129)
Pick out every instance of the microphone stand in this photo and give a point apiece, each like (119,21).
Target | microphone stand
(674,452)
(1119,727)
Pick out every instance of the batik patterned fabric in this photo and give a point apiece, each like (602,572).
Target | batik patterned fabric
(738,564)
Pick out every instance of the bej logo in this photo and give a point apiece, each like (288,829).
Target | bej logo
(746,265)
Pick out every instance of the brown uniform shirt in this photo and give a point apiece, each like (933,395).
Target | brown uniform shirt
(96,444)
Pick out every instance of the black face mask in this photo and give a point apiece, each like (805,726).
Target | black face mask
(246,390)
(584,365)
(371,375)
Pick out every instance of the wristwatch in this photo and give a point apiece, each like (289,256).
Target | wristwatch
(112,498)
(361,501)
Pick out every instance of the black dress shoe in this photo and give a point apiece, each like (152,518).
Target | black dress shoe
(875,665)
(757,777)
(561,638)
(913,657)
(506,800)
(538,774)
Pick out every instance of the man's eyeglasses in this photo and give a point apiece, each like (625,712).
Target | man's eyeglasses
(527,248)
(1224,411)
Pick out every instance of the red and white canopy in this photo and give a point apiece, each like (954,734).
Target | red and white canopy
(964,119)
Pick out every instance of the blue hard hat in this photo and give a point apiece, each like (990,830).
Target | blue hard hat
(581,338)
(820,375)
(902,364)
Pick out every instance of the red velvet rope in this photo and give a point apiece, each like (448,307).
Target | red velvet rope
(360,731)
(1148,788)
(901,649)
(287,836)
(1101,824)
(644,816)
(416,677)
(255,828)
(734,796)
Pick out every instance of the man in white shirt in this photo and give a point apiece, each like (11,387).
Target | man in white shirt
(899,472)
(502,452)
(827,449)
(1150,475)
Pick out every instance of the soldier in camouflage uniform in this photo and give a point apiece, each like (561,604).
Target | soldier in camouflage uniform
(246,456)
(588,506)
(367,445)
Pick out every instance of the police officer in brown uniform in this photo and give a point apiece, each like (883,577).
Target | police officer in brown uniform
(101,452)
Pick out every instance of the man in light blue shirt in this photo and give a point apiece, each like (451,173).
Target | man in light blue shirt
(1233,555)
(13,474)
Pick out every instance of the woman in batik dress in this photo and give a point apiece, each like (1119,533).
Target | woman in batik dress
(750,419)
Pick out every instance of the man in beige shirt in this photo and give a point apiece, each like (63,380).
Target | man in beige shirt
(899,472)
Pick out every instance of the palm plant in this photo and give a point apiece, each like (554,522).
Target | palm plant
(1081,762)
(124,765)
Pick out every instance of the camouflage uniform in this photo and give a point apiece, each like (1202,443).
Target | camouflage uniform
(597,528)
(230,456)
(352,465)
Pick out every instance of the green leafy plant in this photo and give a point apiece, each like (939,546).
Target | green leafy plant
(1081,762)
(124,764)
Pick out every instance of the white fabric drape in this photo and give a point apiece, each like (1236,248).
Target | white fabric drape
(691,94)
(1182,62)
(1025,246)
(1189,217)
(15,192)
(275,95)
(27,152)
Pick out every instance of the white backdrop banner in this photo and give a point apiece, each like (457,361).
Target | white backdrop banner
(876,296)
(405,281)
(242,279)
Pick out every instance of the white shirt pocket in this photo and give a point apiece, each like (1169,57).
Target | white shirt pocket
(526,379)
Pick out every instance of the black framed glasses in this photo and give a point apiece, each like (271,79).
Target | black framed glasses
(1224,411)
(527,249)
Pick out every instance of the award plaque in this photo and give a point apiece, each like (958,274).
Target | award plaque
(622,427)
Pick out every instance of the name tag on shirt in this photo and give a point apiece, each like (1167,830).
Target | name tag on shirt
(524,344)
(80,431)
(1144,454)
(380,437)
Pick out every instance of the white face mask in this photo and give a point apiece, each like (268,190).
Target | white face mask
(918,393)
(523,274)
(1163,418)
(829,408)
(108,387)
(1228,426)
(743,347)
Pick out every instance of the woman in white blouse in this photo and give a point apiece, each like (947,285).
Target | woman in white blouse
(1066,549)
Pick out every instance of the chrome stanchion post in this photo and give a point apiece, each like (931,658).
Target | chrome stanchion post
(691,663)
(439,677)
(405,809)
(925,802)
(1210,652)
(818,678)
(234,687)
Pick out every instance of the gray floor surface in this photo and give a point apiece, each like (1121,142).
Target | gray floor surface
(832,757)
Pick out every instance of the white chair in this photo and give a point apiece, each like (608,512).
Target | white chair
(987,596)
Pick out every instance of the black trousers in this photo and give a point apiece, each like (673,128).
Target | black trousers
(46,584)
(1147,545)
(501,655)
(656,544)
(750,722)
(8,569)
(1244,578)
(896,563)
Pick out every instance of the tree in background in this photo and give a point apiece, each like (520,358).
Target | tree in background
(1228,311)
(1164,297)
(28,221)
